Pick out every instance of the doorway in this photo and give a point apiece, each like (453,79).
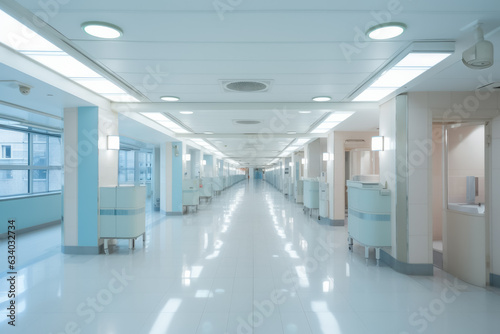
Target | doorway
(460,204)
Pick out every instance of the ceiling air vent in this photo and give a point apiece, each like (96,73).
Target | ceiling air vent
(246,86)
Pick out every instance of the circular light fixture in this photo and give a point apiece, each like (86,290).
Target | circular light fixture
(304,112)
(170,98)
(186,112)
(102,29)
(322,98)
(386,30)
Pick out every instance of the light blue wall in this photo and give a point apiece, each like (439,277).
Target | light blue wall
(177,179)
(88,176)
(30,211)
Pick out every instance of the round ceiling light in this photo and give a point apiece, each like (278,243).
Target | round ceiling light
(322,98)
(170,98)
(102,29)
(386,30)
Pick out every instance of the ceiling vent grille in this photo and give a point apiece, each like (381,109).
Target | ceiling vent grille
(246,86)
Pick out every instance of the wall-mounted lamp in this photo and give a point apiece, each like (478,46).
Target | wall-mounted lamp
(326,156)
(187,157)
(204,162)
(290,164)
(176,150)
(303,161)
(113,142)
(378,143)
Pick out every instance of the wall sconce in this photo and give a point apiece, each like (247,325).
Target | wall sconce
(303,161)
(326,156)
(290,164)
(187,157)
(204,162)
(113,142)
(378,143)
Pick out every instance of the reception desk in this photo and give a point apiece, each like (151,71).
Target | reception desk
(369,215)
(122,214)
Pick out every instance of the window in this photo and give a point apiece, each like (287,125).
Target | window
(126,167)
(6,151)
(30,162)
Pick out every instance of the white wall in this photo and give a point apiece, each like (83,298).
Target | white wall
(495,197)
(420,146)
(166,152)
(313,155)
(108,159)
(387,158)
(437,182)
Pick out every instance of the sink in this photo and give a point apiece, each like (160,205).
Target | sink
(467,208)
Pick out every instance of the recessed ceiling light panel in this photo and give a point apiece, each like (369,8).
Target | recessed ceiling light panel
(170,98)
(322,98)
(386,30)
(102,29)
(186,112)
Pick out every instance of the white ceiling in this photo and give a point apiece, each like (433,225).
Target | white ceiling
(185,48)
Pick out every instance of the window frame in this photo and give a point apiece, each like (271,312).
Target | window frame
(29,167)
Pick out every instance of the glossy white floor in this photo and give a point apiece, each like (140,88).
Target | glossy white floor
(250,262)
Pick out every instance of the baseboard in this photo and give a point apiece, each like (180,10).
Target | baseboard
(173,213)
(82,250)
(420,269)
(32,228)
(331,222)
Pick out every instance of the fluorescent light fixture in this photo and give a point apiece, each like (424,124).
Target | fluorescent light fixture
(63,63)
(100,85)
(332,121)
(186,112)
(120,97)
(22,39)
(187,157)
(170,98)
(301,141)
(208,132)
(102,29)
(292,132)
(386,30)
(19,37)
(165,121)
(322,98)
(113,142)
(409,68)
(378,143)
(304,112)
(326,156)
